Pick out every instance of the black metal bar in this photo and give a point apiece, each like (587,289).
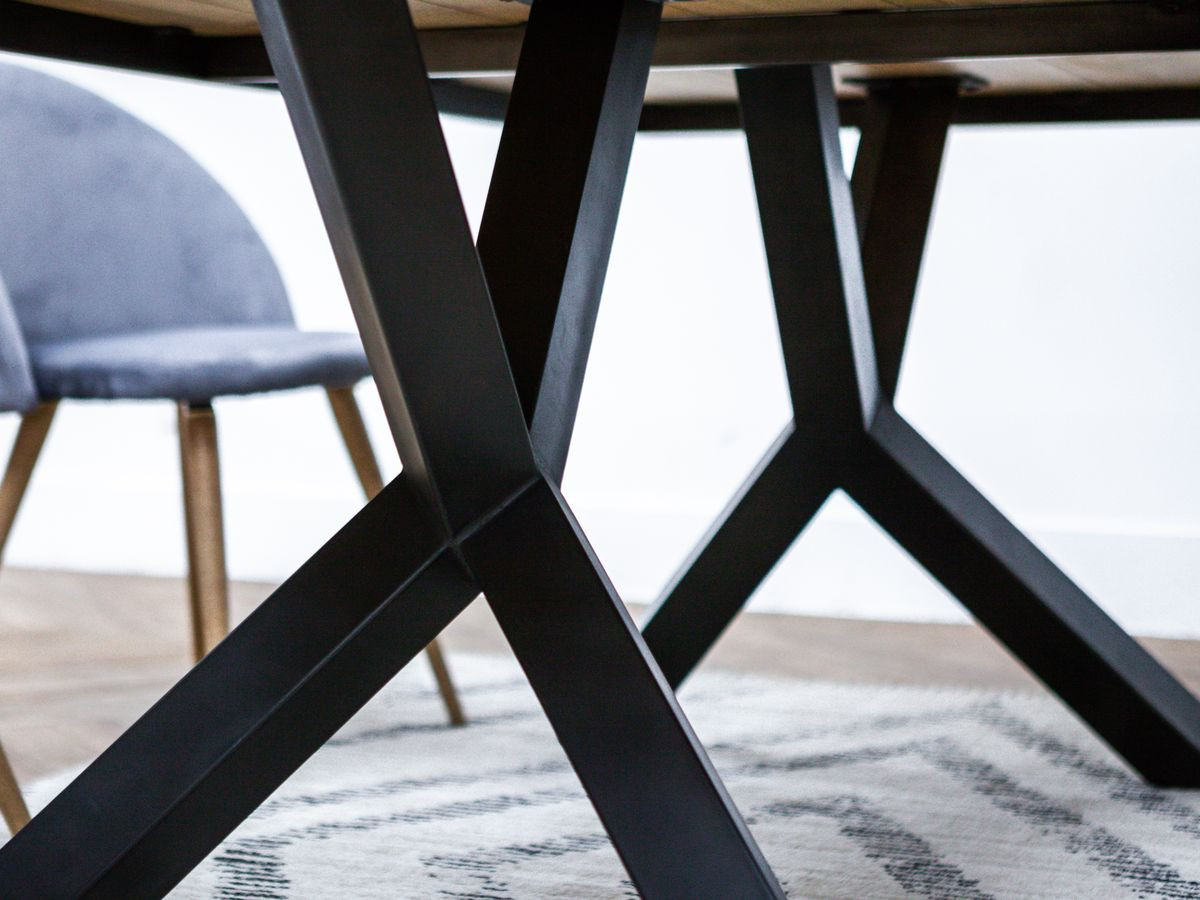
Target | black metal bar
(683,117)
(895,176)
(1108,26)
(458,99)
(791,121)
(474,496)
(1019,595)
(894,183)
(889,36)
(40,30)
(662,803)
(44,31)
(762,520)
(1167,104)
(1045,108)
(1058,107)
(237,725)
(388,196)
(237,59)
(1124,26)
(545,240)
(567,626)
(387,191)
(1053,107)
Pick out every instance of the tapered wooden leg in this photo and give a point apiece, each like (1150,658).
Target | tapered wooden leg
(441,673)
(208,584)
(31,437)
(25,452)
(12,804)
(354,433)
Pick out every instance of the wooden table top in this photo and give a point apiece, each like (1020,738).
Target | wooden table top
(480,38)
(1029,75)
(233,17)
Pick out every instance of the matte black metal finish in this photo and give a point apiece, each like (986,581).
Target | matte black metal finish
(900,156)
(429,301)
(44,31)
(473,509)
(200,760)
(458,99)
(753,532)
(478,507)
(670,818)
(583,73)
(698,116)
(895,176)
(847,434)
(1053,107)
(390,202)
(1065,106)
(1027,602)
(1105,26)
(1102,27)
(1124,26)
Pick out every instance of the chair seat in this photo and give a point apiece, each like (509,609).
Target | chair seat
(197,363)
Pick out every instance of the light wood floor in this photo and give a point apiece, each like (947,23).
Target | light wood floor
(81,656)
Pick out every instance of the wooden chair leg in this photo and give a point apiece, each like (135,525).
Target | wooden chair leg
(354,434)
(12,804)
(208,585)
(31,437)
(25,452)
(437,662)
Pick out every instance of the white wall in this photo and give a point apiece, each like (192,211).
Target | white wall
(1052,358)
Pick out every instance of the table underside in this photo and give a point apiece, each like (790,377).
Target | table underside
(231,17)
(479,38)
(1007,76)
(482,392)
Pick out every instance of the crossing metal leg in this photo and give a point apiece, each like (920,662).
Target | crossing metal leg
(1027,602)
(774,505)
(841,377)
(476,507)
(157,801)
(895,178)
(615,716)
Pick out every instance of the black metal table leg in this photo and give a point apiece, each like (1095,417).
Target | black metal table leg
(476,505)
(552,207)
(1019,595)
(772,507)
(548,591)
(359,98)
(154,804)
(652,784)
(544,243)
(895,178)
(856,440)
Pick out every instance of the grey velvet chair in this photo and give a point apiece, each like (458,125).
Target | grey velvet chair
(132,274)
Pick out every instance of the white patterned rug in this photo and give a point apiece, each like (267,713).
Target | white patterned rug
(851,791)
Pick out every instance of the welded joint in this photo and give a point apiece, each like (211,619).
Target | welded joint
(481,521)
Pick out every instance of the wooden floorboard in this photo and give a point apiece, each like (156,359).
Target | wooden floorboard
(82,655)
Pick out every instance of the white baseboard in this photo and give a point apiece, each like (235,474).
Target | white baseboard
(843,566)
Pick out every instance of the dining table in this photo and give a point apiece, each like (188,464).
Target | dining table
(479,345)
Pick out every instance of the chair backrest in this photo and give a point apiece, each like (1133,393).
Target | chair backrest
(107,226)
